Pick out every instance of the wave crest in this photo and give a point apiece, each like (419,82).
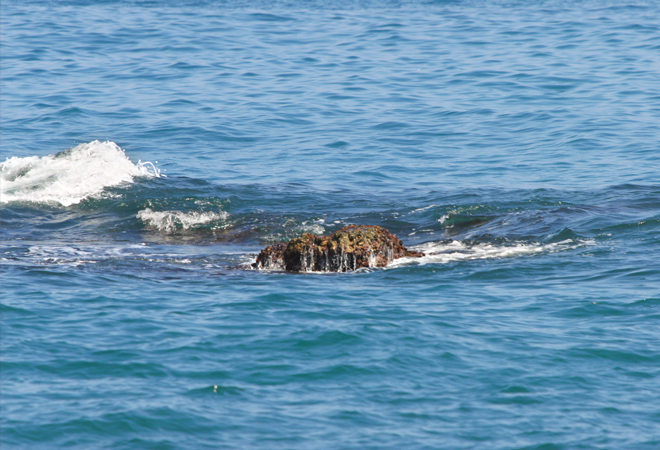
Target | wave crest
(70,176)
(173,221)
(453,251)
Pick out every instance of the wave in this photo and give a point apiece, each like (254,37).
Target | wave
(453,251)
(70,176)
(173,221)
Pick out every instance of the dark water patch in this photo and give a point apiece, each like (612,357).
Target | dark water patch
(516,390)
(325,341)
(99,370)
(337,144)
(646,303)
(114,424)
(458,223)
(390,126)
(639,357)
(547,446)
(270,17)
(15,311)
(594,311)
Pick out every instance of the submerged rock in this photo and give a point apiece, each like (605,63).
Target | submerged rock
(351,248)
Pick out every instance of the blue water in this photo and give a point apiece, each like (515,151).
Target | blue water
(516,143)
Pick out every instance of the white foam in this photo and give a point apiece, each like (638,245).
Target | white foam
(447,252)
(172,221)
(422,209)
(314,228)
(71,176)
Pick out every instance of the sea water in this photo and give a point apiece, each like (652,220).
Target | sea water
(151,149)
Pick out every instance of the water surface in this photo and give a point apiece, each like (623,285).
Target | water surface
(151,149)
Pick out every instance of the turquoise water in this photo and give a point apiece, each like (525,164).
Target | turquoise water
(151,149)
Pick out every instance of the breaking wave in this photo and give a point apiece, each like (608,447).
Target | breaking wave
(173,221)
(70,176)
(453,251)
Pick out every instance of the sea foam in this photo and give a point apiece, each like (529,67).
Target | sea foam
(173,221)
(453,251)
(70,176)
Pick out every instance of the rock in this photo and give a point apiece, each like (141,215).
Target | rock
(271,258)
(351,248)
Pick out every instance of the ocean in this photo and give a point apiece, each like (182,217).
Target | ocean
(151,149)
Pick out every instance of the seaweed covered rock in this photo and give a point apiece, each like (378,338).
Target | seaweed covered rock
(271,258)
(351,248)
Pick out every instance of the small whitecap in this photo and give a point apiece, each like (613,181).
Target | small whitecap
(173,221)
(422,209)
